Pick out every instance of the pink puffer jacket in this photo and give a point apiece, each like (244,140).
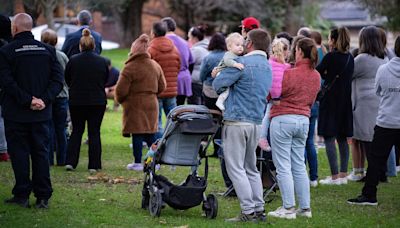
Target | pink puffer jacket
(277,76)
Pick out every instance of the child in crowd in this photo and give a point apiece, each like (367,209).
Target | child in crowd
(234,44)
(278,64)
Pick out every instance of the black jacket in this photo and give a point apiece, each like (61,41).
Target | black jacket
(71,43)
(335,110)
(28,68)
(86,75)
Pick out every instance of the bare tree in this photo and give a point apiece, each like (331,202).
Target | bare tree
(47,7)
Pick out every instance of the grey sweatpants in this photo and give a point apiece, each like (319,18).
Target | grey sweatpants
(239,146)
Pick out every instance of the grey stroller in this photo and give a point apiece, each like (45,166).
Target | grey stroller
(187,126)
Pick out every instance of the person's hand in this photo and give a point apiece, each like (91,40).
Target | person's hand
(215,71)
(239,66)
(263,144)
(276,102)
(37,104)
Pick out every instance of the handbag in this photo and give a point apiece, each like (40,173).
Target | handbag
(327,86)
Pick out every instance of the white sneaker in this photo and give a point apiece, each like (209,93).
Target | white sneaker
(397,168)
(329,181)
(69,167)
(314,183)
(135,166)
(354,177)
(282,212)
(343,180)
(304,213)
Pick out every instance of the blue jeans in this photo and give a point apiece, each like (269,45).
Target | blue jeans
(3,142)
(137,144)
(166,104)
(288,138)
(310,153)
(391,164)
(58,131)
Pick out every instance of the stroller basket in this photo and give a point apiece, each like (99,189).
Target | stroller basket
(184,196)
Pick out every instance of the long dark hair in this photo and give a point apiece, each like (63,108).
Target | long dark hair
(370,42)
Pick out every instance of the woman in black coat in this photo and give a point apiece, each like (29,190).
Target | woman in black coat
(86,74)
(335,121)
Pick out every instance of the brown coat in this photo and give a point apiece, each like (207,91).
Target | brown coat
(140,82)
(164,52)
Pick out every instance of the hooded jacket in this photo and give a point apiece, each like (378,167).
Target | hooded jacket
(387,85)
(164,52)
(199,51)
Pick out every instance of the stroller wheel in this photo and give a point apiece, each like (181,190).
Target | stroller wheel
(210,206)
(155,204)
(145,198)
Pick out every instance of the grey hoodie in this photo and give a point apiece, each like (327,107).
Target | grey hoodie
(387,85)
(199,51)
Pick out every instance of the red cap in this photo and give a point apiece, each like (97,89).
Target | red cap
(250,23)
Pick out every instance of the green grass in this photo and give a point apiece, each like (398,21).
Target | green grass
(78,202)
(118,57)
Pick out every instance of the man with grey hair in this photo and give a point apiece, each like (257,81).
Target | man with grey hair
(71,43)
(30,79)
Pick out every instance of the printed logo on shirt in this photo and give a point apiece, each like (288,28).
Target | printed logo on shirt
(394,90)
(30,48)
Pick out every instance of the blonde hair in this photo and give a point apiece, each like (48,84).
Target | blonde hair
(278,48)
(86,43)
(233,37)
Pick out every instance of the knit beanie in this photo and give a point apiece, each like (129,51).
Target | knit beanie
(140,45)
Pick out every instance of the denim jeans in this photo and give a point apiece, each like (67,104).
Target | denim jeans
(137,144)
(310,153)
(288,138)
(391,164)
(166,104)
(3,142)
(58,131)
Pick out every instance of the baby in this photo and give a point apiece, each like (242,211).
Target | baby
(234,43)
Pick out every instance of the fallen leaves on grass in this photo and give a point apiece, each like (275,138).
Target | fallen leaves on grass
(102,177)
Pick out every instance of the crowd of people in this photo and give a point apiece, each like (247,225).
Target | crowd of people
(274,94)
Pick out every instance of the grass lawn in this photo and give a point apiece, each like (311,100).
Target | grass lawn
(80,202)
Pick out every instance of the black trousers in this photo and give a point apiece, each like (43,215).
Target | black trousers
(197,97)
(382,143)
(93,115)
(29,141)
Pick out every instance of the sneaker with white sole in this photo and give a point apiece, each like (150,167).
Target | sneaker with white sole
(330,181)
(362,200)
(343,180)
(304,212)
(397,168)
(314,183)
(135,166)
(69,168)
(282,212)
(354,176)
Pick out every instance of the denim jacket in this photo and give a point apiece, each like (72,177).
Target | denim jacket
(209,62)
(248,88)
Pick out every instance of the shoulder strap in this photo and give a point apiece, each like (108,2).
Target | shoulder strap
(338,75)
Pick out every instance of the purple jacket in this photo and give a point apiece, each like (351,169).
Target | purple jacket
(184,78)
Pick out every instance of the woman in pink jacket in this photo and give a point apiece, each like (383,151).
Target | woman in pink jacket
(278,64)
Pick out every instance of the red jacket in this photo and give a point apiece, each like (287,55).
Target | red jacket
(164,52)
(300,86)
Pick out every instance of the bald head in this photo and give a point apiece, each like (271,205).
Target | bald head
(21,22)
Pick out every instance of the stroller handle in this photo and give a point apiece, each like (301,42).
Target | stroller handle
(210,111)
